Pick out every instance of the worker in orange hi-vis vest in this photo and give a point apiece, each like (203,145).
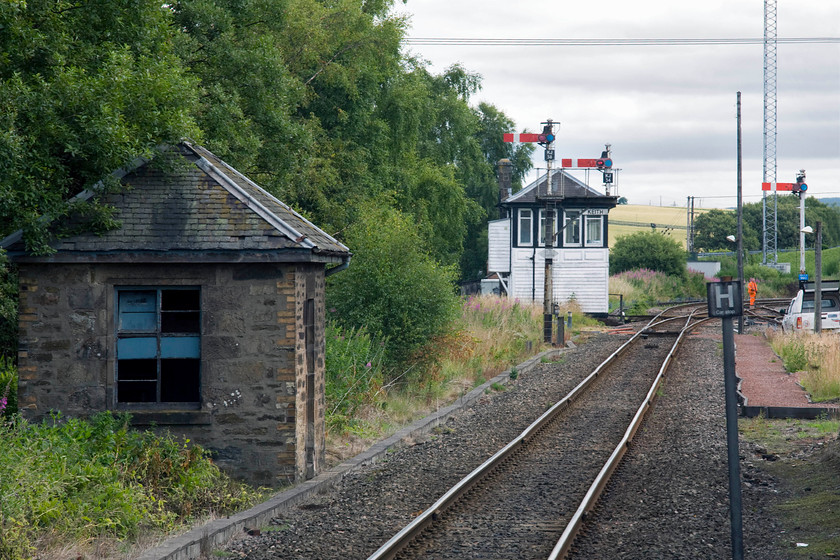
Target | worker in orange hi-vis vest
(752,288)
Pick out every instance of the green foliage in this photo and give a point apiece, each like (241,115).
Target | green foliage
(78,480)
(393,288)
(84,89)
(787,215)
(8,307)
(8,388)
(794,354)
(713,227)
(315,101)
(648,250)
(353,373)
(771,282)
(644,288)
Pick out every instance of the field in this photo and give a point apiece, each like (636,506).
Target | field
(627,219)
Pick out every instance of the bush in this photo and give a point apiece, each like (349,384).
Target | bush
(648,250)
(393,288)
(77,480)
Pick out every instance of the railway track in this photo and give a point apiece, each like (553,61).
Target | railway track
(530,499)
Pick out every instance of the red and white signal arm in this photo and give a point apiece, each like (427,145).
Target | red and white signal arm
(523,137)
(600,163)
(794,187)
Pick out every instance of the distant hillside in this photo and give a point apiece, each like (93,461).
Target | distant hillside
(830,201)
(627,219)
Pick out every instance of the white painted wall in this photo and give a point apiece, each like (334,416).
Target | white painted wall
(581,273)
(498,241)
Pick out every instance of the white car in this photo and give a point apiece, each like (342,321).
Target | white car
(799,316)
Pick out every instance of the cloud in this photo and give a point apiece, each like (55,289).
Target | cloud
(668,111)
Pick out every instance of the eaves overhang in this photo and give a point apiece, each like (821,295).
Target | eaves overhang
(182,257)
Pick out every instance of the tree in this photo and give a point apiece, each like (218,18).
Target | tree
(713,227)
(85,87)
(787,217)
(648,249)
(393,287)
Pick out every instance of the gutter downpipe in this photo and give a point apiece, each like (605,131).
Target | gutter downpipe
(339,268)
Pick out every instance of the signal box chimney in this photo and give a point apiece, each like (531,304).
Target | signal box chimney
(504,172)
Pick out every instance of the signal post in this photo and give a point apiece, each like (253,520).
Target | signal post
(551,198)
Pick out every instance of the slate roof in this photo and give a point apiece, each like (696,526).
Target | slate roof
(562,182)
(205,210)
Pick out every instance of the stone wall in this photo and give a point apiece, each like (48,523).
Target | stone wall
(253,358)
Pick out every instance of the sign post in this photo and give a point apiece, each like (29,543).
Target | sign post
(726,301)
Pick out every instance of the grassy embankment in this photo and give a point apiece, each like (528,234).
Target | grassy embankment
(367,401)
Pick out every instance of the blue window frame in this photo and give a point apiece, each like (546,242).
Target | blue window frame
(158,358)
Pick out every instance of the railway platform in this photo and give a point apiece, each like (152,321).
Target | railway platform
(766,388)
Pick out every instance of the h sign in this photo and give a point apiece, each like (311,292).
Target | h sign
(725,299)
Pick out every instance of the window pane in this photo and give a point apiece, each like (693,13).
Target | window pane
(572,223)
(179,300)
(179,380)
(136,380)
(180,321)
(137,311)
(137,370)
(525,227)
(138,322)
(135,301)
(136,348)
(593,231)
(180,347)
(136,391)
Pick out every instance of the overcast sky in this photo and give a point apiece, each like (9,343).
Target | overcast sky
(668,111)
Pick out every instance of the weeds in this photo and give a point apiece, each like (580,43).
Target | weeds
(8,388)
(490,333)
(73,480)
(818,356)
(354,373)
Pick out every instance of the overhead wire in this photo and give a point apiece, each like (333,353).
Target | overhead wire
(571,42)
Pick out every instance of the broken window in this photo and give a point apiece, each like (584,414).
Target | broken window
(158,345)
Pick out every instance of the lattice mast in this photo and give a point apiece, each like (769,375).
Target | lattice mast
(770,207)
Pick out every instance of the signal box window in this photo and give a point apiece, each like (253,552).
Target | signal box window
(158,358)
(594,231)
(526,226)
(572,227)
(542,228)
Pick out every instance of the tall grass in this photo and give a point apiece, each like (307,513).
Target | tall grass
(354,374)
(643,288)
(66,483)
(818,356)
(490,335)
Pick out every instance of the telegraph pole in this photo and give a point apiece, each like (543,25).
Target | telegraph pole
(740,241)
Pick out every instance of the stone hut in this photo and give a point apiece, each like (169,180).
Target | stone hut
(203,314)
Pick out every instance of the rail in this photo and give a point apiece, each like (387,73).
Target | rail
(400,540)
(564,544)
